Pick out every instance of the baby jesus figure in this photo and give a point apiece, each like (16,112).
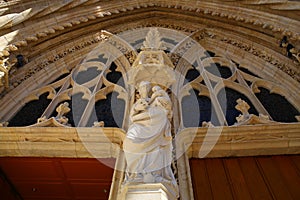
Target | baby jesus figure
(160,97)
(137,113)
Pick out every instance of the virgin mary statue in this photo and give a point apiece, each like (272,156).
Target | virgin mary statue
(148,143)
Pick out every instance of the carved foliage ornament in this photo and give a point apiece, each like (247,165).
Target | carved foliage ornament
(249,119)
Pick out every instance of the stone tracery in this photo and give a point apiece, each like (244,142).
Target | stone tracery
(238,79)
(206,72)
(207,11)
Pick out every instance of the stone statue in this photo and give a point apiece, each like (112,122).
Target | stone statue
(160,98)
(148,143)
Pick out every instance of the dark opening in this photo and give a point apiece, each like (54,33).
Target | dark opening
(85,76)
(220,71)
(196,109)
(100,58)
(278,107)
(247,71)
(227,98)
(115,76)
(77,105)
(191,75)
(110,110)
(30,112)
(20,61)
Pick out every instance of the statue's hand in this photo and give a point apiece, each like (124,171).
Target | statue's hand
(140,117)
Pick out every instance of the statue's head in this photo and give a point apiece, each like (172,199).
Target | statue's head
(141,105)
(144,83)
(144,88)
(156,88)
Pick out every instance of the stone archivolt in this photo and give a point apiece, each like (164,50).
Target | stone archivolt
(212,12)
(18,78)
(204,7)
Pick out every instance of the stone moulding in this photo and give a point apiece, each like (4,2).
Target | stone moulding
(266,21)
(242,140)
(60,142)
(266,139)
(70,142)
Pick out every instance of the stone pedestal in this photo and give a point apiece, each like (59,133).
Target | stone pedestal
(151,191)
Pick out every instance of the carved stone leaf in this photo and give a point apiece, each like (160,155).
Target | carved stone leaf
(153,41)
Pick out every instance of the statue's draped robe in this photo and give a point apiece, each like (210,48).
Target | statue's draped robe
(148,147)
